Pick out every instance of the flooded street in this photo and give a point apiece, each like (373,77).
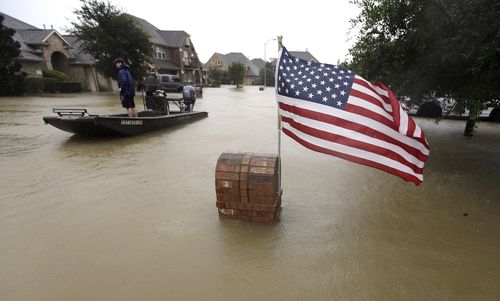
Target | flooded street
(135,218)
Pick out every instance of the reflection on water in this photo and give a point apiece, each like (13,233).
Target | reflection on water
(135,219)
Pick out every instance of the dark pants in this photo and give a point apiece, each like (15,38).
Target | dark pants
(128,102)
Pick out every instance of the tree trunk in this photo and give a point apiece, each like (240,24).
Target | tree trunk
(469,127)
(472,119)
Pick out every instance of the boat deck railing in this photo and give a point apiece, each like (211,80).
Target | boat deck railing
(73,112)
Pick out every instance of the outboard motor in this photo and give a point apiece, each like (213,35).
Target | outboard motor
(151,84)
(154,98)
(189,97)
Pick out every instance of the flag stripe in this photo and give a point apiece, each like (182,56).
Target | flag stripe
(417,132)
(368,94)
(359,102)
(347,138)
(403,122)
(360,111)
(411,127)
(351,126)
(330,115)
(354,156)
(356,134)
(383,94)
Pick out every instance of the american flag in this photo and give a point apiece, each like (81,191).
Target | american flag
(329,109)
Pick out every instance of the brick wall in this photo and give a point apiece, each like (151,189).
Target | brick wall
(55,44)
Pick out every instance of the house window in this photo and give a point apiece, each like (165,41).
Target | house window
(160,53)
(186,59)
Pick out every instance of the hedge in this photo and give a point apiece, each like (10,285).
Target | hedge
(50,85)
(50,73)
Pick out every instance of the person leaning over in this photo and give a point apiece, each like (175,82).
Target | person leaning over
(126,87)
(189,96)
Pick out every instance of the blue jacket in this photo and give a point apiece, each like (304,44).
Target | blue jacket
(125,81)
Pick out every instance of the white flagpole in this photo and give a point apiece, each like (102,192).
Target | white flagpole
(280,46)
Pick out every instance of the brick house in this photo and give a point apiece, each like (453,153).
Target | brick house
(43,49)
(173,52)
(219,61)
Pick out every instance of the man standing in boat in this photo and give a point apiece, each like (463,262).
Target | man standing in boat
(126,87)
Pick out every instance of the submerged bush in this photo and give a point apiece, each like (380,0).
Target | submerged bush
(61,76)
(33,85)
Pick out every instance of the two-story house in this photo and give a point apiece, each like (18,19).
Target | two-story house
(173,52)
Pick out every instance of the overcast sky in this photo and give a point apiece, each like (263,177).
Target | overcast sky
(223,26)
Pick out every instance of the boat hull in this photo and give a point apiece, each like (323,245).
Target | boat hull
(119,125)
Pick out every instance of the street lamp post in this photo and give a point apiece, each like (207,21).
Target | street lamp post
(265,62)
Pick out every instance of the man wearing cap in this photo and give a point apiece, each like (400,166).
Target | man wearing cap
(126,87)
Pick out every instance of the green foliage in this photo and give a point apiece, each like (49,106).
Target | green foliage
(236,73)
(61,76)
(53,81)
(214,84)
(34,85)
(107,33)
(270,70)
(11,79)
(217,77)
(443,48)
(49,85)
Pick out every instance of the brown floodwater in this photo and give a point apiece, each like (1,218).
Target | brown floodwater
(135,218)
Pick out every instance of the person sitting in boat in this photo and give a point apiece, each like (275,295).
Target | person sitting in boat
(126,87)
(189,97)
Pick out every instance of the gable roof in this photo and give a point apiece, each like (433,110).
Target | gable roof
(150,29)
(305,55)
(33,36)
(232,57)
(24,32)
(169,38)
(27,53)
(39,36)
(260,63)
(53,31)
(77,55)
(174,38)
(30,36)
(14,23)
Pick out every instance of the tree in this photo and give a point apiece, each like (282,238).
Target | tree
(11,78)
(236,73)
(270,70)
(107,33)
(217,76)
(438,48)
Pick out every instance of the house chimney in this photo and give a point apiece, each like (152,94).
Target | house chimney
(44,26)
(51,26)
